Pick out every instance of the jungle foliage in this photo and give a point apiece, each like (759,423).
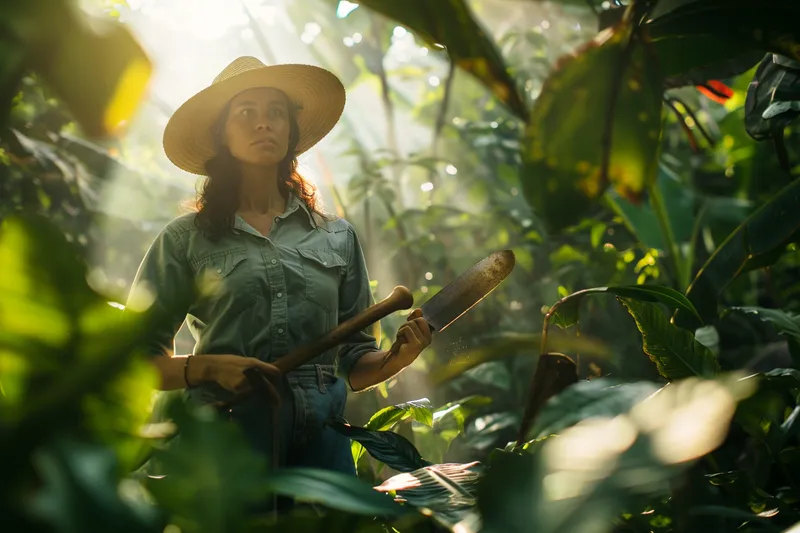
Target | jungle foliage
(643,171)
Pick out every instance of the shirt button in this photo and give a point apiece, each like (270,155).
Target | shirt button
(219,271)
(276,219)
(274,261)
(280,294)
(280,330)
(324,262)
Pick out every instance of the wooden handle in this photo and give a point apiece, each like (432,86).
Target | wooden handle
(400,298)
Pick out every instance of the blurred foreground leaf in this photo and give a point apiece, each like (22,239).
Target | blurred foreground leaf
(80,493)
(756,243)
(598,398)
(332,489)
(674,351)
(208,476)
(597,121)
(67,358)
(449,23)
(583,479)
(767,25)
(97,69)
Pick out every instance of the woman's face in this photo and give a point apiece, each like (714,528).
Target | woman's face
(257,126)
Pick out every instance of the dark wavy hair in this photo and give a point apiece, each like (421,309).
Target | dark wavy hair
(218,199)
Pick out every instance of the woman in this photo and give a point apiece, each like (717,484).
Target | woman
(273,272)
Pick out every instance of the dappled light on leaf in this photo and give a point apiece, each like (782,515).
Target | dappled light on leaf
(605,464)
(601,397)
(585,454)
(569,162)
(688,419)
(674,350)
(67,357)
(386,418)
(126,97)
(70,49)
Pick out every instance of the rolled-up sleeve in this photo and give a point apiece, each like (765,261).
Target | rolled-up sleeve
(354,296)
(163,278)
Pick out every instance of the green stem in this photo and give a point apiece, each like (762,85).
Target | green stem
(554,308)
(698,226)
(660,209)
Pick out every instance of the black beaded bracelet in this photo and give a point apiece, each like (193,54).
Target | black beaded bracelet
(186,371)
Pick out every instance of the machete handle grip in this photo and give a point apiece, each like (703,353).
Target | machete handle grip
(396,346)
(400,298)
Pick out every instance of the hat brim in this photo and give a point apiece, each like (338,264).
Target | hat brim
(319,95)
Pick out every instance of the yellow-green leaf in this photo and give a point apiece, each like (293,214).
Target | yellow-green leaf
(99,70)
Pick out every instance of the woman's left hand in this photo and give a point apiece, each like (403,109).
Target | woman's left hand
(416,335)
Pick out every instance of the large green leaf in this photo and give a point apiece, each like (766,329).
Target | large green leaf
(768,24)
(674,351)
(388,447)
(446,490)
(710,59)
(589,399)
(386,418)
(757,242)
(208,476)
(66,50)
(597,120)
(68,358)
(785,323)
(332,489)
(585,478)
(449,23)
(566,314)
(80,492)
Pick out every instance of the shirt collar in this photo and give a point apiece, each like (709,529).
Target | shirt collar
(293,204)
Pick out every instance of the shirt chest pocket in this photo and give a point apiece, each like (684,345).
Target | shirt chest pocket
(222,279)
(322,275)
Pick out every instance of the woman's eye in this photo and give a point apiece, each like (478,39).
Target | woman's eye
(246,112)
(277,112)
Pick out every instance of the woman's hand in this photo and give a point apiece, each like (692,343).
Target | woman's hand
(228,372)
(416,335)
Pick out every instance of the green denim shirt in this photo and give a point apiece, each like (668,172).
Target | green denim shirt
(262,296)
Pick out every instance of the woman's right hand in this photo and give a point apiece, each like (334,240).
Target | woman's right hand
(228,372)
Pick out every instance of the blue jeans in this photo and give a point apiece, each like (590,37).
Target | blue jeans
(309,396)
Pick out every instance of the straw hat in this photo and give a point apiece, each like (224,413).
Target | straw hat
(318,94)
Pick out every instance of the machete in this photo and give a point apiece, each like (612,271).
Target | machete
(463,293)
